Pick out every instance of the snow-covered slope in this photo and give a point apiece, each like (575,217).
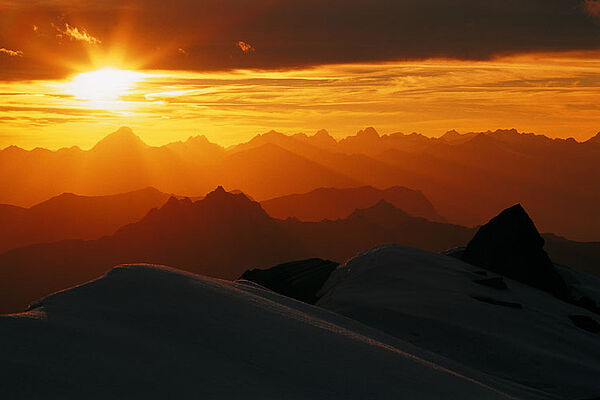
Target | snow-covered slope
(434,301)
(150,332)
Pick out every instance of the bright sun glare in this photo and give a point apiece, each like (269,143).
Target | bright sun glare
(104,84)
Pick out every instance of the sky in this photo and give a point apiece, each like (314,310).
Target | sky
(70,72)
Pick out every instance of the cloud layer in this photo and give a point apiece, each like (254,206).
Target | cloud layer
(11,53)
(555,97)
(291,33)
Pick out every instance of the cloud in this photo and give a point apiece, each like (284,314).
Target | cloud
(293,33)
(592,7)
(11,53)
(245,47)
(74,33)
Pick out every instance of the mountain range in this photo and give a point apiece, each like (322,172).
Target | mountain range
(393,321)
(71,216)
(221,235)
(467,177)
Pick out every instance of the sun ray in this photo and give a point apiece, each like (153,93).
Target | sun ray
(105,84)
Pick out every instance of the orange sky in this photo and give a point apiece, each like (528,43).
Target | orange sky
(230,71)
(555,95)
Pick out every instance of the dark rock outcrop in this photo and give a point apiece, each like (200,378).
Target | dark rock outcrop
(300,280)
(586,323)
(509,244)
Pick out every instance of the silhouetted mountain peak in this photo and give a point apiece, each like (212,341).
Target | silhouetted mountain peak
(175,203)
(13,149)
(198,139)
(452,134)
(369,132)
(381,210)
(122,139)
(511,131)
(594,139)
(217,192)
(509,244)
(220,198)
(272,133)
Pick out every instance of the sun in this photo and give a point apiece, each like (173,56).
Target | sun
(104,84)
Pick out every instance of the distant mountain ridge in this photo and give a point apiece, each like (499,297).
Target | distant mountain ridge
(70,216)
(221,235)
(467,177)
(332,203)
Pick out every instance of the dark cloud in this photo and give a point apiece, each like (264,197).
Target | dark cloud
(290,33)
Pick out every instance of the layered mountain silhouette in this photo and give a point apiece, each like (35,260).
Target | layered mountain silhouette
(467,177)
(70,216)
(221,235)
(332,203)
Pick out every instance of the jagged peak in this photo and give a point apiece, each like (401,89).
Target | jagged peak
(323,136)
(272,132)
(511,245)
(512,131)
(219,189)
(220,194)
(174,201)
(382,207)
(594,139)
(453,133)
(122,137)
(12,148)
(198,139)
(369,132)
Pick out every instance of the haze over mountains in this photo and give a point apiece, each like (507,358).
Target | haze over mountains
(332,203)
(497,319)
(70,216)
(220,235)
(466,177)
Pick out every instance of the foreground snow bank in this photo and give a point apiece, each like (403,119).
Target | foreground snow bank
(474,318)
(147,332)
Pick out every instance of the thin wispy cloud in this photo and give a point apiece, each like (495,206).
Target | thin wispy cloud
(75,33)
(11,53)
(245,47)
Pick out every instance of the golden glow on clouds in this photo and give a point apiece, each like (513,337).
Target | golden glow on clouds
(74,33)
(11,53)
(245,47)
(553,94)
